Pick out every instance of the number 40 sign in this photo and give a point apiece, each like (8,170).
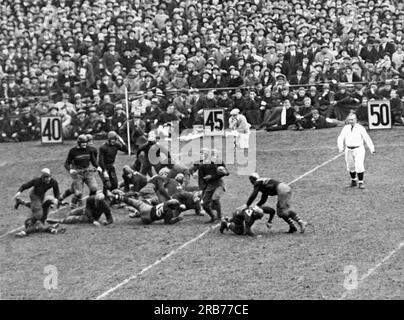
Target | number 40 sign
(51,130)
(379,113)
(213,122)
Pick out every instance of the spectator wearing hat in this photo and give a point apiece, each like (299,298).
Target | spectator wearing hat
(369,53)
(85,73)
(178,83)
(149,83)
(198,60)
(349,76)
(118,88)
(228,60)
(239,124)
(344,102)
(397,58)
(318,121)
(299,78)
(292,57)
(282,118)
(151,115)
(251,108)
(79,124)
(385,47)
(66,104)
(323,54)
(29,128)
(109,58)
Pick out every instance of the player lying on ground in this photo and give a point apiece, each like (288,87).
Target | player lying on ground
(270,187)
(191,200)
(95,207)
(244,218)
(38,204)
(168,211)
(154,191)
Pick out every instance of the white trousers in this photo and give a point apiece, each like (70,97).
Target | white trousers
(355,159)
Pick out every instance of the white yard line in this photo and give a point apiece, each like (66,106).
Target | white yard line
(135,276)
(372,270)
(2,164)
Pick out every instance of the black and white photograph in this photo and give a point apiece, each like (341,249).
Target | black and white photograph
(215,153)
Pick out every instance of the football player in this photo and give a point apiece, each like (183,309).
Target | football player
(108,152)
(213,174)
(270,187)
(38,205)
(91,213)
(78,165)
(243,219)
(168,211)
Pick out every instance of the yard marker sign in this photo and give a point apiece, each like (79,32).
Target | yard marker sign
(213,122)
(51,130)
(379,112)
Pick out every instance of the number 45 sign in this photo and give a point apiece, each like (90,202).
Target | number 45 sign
(379,112)
(51,130)
(213,122)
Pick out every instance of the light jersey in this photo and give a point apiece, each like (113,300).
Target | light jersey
(354,137)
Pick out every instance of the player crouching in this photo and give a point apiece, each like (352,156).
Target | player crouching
(243,219)
(91,213)
(168,211)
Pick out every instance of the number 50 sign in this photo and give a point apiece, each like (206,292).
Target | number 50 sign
(213,122)
(379,112)
(51,130)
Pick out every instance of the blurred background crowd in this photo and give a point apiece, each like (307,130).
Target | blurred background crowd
(77,58)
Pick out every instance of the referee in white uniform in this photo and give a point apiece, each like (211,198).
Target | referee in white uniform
(352,137)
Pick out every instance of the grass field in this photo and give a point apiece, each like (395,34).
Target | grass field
(355,243)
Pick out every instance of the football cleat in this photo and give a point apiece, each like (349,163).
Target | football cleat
(361,186)
(18,202)
(223,226)
(292,228)
(21,234)
(269,225)
(302,225)
(353,183)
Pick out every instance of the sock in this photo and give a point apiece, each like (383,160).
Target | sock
(289,221)
(353,175)
(217,207)
(294,216)
(360,177)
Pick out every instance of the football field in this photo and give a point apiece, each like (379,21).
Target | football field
(353,248)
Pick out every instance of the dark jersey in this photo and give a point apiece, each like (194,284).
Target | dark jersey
(172,186)
(164,211)
(268,187)
(186,198)
(136,179)
(94,209)
(80,158)
(215,178)
(40,187)
(159,182)
(108,154)
(247,215)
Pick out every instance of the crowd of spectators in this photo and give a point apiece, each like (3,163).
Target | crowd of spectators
(76,59)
